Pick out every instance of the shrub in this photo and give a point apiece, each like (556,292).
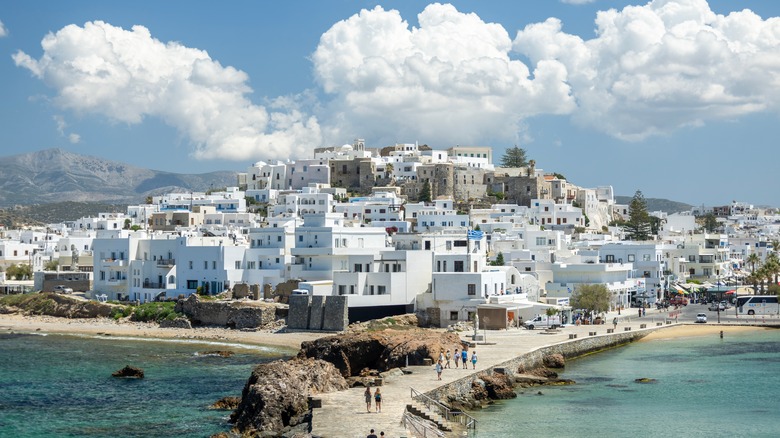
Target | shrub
(148,312)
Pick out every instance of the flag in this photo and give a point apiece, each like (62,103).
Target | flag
(474,235)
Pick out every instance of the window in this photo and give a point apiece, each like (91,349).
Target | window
(192,284)
(453,316)
(358,268)
(191,263)
(300,238)
(205,264)
(541,241)
(645,257)
(342,289)
(610,258)
(631,257)
(238,264)
(461,243)
(381,290)
(458,265)
(472,289)
(448,245)
(214,265)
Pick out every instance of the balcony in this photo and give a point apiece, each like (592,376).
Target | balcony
(114,263)
(166,263)
(150,285)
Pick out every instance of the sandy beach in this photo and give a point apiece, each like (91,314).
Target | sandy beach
(109,327)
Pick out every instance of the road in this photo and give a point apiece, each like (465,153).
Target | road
(687,314)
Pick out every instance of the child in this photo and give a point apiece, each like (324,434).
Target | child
(447,356)
(474,359)
(378,400)
(438,370)
(464,356)
(367,395)
(457,358)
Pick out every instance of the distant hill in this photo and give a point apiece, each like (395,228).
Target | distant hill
(656,204)
(55,175)
(42,214)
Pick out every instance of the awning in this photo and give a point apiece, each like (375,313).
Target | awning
(681,290)
(731,292)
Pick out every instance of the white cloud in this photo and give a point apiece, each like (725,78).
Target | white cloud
(128,75)
(74,138)
(662,66)
(3,30)
(449,80)
(61,125)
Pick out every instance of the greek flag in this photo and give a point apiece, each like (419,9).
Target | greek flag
(475,235)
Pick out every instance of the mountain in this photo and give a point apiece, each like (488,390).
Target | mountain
(656,204)
(55,175)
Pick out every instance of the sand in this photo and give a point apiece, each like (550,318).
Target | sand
(127,329)
(686,330)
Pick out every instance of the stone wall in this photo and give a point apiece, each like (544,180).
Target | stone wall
(534,359)
(226,314)
(318,312)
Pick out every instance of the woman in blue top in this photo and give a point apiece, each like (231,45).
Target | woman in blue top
(464,356)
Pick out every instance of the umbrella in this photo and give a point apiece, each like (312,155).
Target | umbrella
(731,292)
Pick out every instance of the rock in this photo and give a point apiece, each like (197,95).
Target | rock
(276,396)
(382,350)
(220,353)
(554,361)
(645,380)
(129,372)
(498,386)
(226,404)
(176,323)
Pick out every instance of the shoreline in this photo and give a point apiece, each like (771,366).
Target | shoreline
(151,331)
(695,330)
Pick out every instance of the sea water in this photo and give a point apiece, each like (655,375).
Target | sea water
(704,387)
(61,386)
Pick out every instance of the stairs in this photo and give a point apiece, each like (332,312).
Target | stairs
(437,420)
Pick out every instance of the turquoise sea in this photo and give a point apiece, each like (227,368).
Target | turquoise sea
(705,387)
(61,386)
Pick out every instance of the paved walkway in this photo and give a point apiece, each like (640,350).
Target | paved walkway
(343,413)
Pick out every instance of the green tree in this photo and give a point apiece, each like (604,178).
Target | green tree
(499,261)
(514,157)
(425,192)
(638,225)
(51,265)
(772,265)
(710,223)
(127,224)
(591,297)
(19,272)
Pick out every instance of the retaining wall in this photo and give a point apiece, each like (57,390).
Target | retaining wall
(533,359)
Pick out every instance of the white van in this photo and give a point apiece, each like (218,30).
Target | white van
(543,321)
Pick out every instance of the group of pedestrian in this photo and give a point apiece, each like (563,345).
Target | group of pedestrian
(460,356)
(371,434)
(377,396)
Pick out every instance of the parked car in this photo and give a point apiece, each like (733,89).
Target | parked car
(715,307)
(60,289)
(701,317)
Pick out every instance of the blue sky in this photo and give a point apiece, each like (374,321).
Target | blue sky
(677,98)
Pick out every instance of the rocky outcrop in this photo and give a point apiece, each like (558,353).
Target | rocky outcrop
(233,314)
(129,372)
(220,353)
(353,352)
(554,361)
(275,398)
(176,323)
(62,306)
(226,404)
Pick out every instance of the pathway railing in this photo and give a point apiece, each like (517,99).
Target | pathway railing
(445,412)
(419,428)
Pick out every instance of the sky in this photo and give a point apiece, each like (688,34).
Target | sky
(676,98)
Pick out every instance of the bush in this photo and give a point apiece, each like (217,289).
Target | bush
(154,312)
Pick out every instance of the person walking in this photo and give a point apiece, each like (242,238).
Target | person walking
(441,356)
(378,400)
(464,356)
(371,434)
(474,359)
(457,358)
(447,356)
(438,370)
(614,323)
(367,395)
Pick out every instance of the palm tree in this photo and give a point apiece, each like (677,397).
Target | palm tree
(753,260)
(772,265)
